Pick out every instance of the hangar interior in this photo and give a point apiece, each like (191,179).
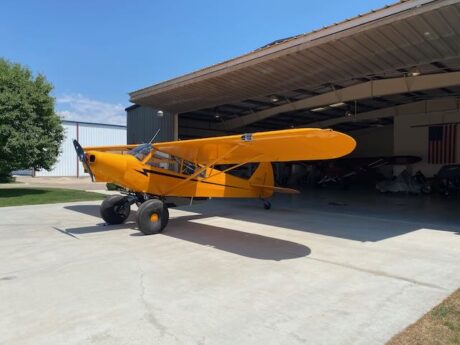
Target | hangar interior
(390,78)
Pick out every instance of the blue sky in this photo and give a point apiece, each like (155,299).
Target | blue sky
(95,52)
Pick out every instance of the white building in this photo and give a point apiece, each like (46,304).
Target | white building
(87,134)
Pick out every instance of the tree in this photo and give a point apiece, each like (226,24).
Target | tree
(30,131)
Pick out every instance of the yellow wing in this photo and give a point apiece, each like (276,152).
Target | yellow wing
(276,146)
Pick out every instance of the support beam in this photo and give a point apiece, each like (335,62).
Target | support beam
(176,126)
(366,90)
(422,107)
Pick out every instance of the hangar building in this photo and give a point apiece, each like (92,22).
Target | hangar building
(88,134)
(390,78)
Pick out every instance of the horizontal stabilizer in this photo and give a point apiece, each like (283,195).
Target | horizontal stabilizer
(277,189)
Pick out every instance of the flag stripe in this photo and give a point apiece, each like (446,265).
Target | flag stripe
(442,142)
(438,151)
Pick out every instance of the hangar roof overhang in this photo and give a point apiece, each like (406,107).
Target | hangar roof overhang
(398,41)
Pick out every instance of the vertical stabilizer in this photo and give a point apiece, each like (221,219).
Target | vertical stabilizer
(263,176)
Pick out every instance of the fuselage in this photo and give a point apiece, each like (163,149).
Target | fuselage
(165,177)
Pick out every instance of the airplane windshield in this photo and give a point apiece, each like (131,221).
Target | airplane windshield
(141,151)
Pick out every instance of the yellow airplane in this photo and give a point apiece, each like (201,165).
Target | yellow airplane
(153,172)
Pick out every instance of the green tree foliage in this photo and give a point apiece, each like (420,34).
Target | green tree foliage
(30,131)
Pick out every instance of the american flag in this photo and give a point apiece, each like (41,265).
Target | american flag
(442,140)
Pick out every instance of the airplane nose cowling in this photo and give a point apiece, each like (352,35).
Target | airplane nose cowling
(107,167)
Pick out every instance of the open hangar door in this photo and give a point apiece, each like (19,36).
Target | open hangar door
(406,143)
(389,78)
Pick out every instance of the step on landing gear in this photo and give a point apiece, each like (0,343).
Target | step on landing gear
(267,205)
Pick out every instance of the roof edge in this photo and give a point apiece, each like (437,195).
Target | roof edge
(266,51)
(132,107)
(92,123)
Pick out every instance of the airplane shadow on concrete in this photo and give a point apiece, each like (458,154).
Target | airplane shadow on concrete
(341,222)
(233,241)
(362,227)
(90,210)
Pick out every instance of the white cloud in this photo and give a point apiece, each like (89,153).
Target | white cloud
(80,108)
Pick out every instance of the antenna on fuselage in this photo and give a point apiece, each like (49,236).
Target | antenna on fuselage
(158,131)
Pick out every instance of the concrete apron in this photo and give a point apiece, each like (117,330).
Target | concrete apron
(223,272)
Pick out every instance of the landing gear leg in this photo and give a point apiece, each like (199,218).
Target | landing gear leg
(267,205)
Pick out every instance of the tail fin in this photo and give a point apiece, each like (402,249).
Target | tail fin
(263,176)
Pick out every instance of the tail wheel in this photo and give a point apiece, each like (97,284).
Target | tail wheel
(267,205)
(152,217)
(115,209)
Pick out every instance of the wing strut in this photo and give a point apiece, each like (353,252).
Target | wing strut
(233,167)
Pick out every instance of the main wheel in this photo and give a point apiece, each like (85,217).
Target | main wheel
(267,205)
(152,216)
(115,209)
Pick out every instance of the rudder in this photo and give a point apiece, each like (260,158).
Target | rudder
(263,176)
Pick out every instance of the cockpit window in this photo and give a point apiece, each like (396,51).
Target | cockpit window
(188,168)
(161,160)
(165,161)
(141,151)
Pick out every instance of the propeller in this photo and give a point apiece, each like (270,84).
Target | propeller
(82,156)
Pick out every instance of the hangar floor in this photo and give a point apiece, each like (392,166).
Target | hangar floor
(322,268)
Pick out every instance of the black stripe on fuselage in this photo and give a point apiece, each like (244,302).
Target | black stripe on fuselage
(145,172)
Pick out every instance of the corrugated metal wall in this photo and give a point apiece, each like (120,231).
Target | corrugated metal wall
(67,161)
(143,122)
(88,134)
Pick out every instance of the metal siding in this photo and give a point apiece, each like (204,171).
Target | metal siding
(143,122)
(89,135)
(100,135)
(66,164)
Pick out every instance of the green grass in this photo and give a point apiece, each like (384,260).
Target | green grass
(440,326)
(35,196)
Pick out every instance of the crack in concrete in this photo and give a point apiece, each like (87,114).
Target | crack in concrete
(202,341)
(150,316)
(378,273)
(370,322)
(148,308)
(298,338)
(8,278)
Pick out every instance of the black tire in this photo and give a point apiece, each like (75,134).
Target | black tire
(152,217)
(115,209)
(267,205)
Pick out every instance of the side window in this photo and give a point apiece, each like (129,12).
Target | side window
(189,168)
(202,174)
(160,160)
(141,151)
